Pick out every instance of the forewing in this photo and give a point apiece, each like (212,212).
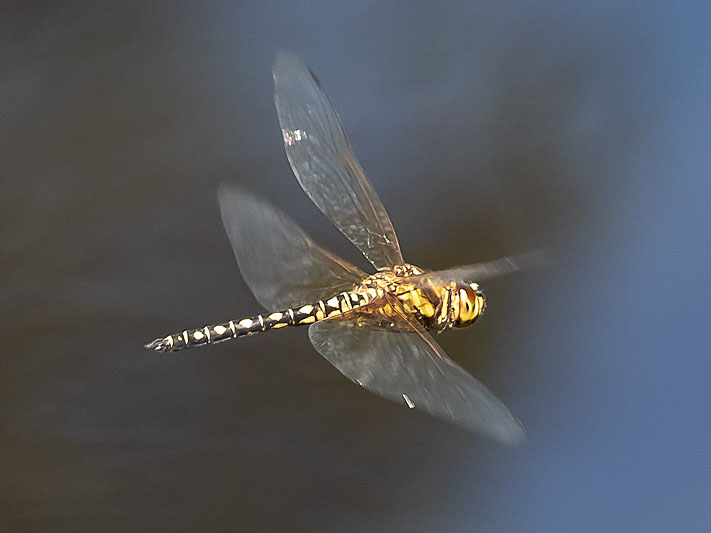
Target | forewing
(406,365)
(482,271)
(281,264)
(324,164)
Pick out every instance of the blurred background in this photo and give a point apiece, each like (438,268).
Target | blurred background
(488,129)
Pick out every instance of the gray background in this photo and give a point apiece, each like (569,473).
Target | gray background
(488,129)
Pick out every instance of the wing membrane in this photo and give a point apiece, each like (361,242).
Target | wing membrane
(483,271)
(281,264)
(324,164)
(407,366)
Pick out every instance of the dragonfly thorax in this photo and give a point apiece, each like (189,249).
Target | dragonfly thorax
(392,281)
(437,306)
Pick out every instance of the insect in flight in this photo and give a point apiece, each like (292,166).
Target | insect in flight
(372,328)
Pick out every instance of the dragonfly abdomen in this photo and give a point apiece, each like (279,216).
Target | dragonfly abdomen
(301,316)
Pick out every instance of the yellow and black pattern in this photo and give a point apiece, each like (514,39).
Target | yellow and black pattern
(436,308)
(301,316)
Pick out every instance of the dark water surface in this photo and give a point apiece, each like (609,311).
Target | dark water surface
(487,131)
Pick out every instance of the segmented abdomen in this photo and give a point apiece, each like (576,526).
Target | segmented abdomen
(304,315)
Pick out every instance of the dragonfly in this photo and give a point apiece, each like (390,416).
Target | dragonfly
(374,328)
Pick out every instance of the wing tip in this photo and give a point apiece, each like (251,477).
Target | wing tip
(287,64)
(231,192)
(513,435)
(226,187)
(225,193)
(285,61)
(534,259)
(281,58)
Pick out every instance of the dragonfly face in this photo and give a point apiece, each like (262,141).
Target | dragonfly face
(470,304)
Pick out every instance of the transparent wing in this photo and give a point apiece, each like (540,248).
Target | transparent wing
(282,266)
(324,164)
(482,271)
(406,365)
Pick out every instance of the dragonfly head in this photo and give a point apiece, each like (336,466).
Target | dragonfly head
(469,304)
